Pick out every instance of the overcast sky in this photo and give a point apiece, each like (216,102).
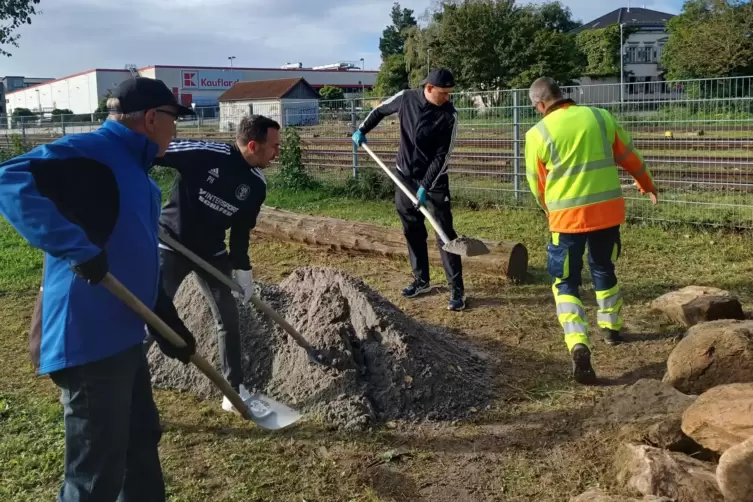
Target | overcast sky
(76,35)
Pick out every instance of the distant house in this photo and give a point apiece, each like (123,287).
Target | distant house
(289,101)
(642,50)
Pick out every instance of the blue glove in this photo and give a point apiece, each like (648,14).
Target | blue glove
(359,137)
(421,196)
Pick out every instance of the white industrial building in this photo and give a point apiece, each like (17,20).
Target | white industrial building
(289,101)
(197,85)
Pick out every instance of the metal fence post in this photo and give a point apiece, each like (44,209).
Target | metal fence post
(516,144)
(354,125)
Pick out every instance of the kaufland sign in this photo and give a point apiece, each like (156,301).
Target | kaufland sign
(209,79)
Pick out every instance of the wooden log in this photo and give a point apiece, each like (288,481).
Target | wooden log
(509,259)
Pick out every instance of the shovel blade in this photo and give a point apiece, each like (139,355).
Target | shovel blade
(270,414)
(465,246)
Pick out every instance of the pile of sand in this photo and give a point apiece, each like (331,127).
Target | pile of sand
(387,365)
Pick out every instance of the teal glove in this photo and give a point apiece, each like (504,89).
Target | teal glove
(421,196)
(359,137)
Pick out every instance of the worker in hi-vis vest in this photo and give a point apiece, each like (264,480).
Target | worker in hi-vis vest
(572,156)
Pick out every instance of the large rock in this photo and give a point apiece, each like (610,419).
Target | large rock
(653,471)
(597,495)
(695,304)
(735,472)
(711,354)
(647,411)
(721,417)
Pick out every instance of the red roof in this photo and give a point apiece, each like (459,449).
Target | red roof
(261,89)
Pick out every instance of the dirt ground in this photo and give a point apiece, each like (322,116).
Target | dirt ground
(529,445)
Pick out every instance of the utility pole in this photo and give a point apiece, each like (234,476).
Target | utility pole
(231,61)
(363,84)
(622,65)
(428,66)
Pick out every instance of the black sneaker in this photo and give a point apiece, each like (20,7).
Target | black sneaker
(583,373)
(417,288)
(611,336)
(457,301)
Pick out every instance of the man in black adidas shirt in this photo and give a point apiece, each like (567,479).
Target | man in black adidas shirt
(218,187)
(428,125)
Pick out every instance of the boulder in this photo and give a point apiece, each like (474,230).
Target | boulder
(652,471)
(597,495)
(721,417)
(648,411)
(735,472)
(711,354)
(695,304)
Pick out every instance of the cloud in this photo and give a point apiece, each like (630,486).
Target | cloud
(75,35)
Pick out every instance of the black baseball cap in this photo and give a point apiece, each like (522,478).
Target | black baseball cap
(440,77)
(141,93)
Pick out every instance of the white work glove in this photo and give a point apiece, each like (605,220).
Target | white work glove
(245,278)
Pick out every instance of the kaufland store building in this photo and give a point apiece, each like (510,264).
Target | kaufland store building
(192,85)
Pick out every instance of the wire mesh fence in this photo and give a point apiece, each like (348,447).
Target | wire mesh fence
(693,134)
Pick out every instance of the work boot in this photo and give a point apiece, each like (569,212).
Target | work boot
(228,406)
(418,287)
(583,373)
(611,336)
(457,301)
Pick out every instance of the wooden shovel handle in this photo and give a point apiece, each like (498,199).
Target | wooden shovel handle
(122,293)
(413,199)
(164,237)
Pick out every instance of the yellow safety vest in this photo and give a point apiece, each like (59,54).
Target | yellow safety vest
(572,170)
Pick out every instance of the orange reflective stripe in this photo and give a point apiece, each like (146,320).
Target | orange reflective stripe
(542,183)
(588,218)
(633,164)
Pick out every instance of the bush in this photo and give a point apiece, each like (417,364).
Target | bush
(18,146)
(371,183)
(292,175)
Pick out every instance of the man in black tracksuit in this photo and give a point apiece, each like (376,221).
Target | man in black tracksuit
(219,187)
(428,126)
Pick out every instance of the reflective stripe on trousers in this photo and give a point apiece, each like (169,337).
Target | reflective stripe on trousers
(610,306)
(572,317)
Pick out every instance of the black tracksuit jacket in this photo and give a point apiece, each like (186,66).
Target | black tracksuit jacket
(427,136)
(215,190)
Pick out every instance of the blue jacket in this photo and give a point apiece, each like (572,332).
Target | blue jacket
(72,198)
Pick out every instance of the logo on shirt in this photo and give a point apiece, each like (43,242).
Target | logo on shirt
(242,192)
(213,175)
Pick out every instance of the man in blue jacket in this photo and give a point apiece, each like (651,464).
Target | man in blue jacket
(87,201)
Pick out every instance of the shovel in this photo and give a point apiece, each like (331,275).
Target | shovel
(262,410)
(314,355)
(463,246)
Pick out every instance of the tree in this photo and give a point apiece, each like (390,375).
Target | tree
(601,50)
(13,14)
(710,38)
(331,93)
(392,41)
(492,44)
(393,74)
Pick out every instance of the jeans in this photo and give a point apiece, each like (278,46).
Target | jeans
(565,264)
(414,229)
(112,431)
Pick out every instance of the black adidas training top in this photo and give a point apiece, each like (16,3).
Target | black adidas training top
(215,190)
(427,136)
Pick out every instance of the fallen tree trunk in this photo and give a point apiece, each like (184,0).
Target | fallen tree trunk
(507,258)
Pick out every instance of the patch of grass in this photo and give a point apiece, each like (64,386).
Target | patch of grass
(529,445)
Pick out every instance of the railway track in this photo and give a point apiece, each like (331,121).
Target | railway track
(689,144)
(730,178)
(503,159)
